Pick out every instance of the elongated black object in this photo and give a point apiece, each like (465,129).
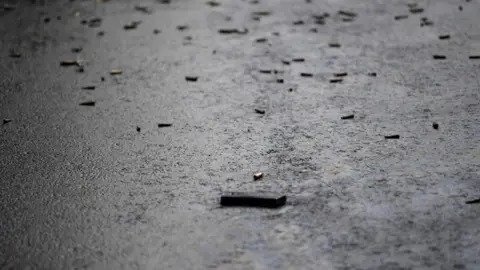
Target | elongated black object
(268,200)
(346,117)
(392,137)
(473,201)
(162,125)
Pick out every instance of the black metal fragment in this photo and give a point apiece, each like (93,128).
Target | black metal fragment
(389,137)
(6,121)
(435,125)
(348,19)
(246,199)
(279,80)
(474,57)
(305,74)
(89,87)
(68,63)
(143,9)
(101,33)
(261,13)
(162,125)
(77,49)
(132,25)
(334,45)
(439,57)
(261,40)
(227,31)
(444,37)
(347,13)
(265,71)
(473,201)
(400,17)
(347,117)
(7,7)
(416,10)
(182,27)
(298,60)
(336,80)
(88,103)
(213,3)
(299,22)
(46,20)
(14,54)
(260,111)
(372,74)
(191,78)
(285,62)
(340,74)
(95,22)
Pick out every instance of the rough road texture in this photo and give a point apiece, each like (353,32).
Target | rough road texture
(81,188)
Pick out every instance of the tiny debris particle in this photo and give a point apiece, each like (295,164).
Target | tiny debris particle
(348,19)
(188,38)
(89,87)
(425,22)
(474,57)
(14,54)
(473,201)
(46,20)
(412,4)
(254,2)
(95,22)
(88,103)
(261,40)
(182,27)
(143,9)
(102,79)
(138,129)
(213,3)
(276,33)
(372,74)
(156,31)
(257,176)
(334,45)
(67,63)
(191,78)
(389,137)
(265,71)
(261,13)
(77,49)
(279,80)
(416,10)
(7,7)
(435,125)
(6,121)
(299,22)
(340,74)
(320,22)
(298,60)
(347,13)
(260,111)
(444,37)
(347,117)
(336,80)
(252,199)
(285,62)
(400,17)
(83,21)
(164,1)
(290,89)
(460,8)
(132,25)
(80,69)
(439,57)
(101,33)
(227,31)
(304,74)
(162,125)
(313,30)
(115,72)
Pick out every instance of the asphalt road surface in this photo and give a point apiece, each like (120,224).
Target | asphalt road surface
(105,187)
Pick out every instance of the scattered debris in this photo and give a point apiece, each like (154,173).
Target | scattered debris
(285,62)
(156,31)
(88,103)
(389,137)
(191,78)
(77,49)
(473,201)
(162,125)
(400,17)
(143,9)
(213,3)
(435,125)
(182,27)
(279,80)
(257,176)
(67,63)
(261,13)
(115,72)
(95,22)
(260,111)
(89,87)
(261,40)
(416,10)
(347,117)
(334,45)
(339,80)
(372,74)
(474,57)
(299,22)
(304,74)
(347,13)
(132,25)
(252,199)
(6,121)
(439,57)
(340,74)
(298,60)
(426,22)
(138,129)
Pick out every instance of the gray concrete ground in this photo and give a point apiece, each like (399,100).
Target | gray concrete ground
(81,188)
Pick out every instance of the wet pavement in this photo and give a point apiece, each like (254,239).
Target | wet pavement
(208,93)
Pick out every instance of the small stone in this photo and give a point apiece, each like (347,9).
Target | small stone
(435,125)
(257,176)
(138,129)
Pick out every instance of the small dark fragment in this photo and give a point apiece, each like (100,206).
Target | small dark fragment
(347,117)
(101,33)
(95,22)
(320,22)
(132,25)
(372,74)
(6,121)
(298,60)
(80,69)
(304,74)
(191,78)
(261,40)
(138,129)
(347,13)
(299,22)
(313,30)
(14,54)
(162,125)
(46,20)
(279,80)
(102,79)
(213,3)
(89,87)
(334,45)
(425,22)
(254,2)
(340,74)
(59,17)
(84,21)
(474,57)
(188,38)
(389,137)
(252,199)
(77,49)
(460,8)
(88,103)
(258,176)
(164,1)
(444,37)
(412,4)
(400,17)
(285,62)
(265,71)
(473,201)
(156,31)
(261,13)
(7,7)
(290,89)
(67,63)
(349,19)
(336,80)
(416,10)
(439,57)
(182,27)
(321,16)
(276,34)
(260,111)
(227,31)
(435,125)
(143,9)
